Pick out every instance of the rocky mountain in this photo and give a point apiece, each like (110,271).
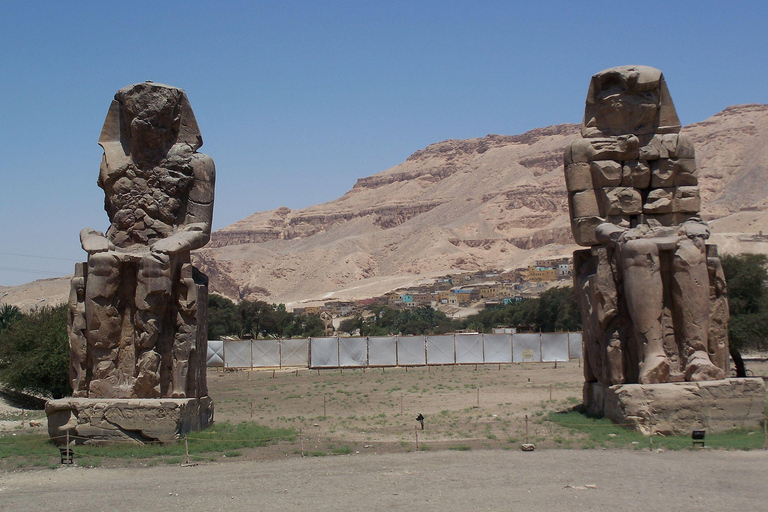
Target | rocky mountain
(459,205)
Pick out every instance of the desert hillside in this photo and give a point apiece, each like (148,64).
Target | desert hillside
(495,202)
(492,202)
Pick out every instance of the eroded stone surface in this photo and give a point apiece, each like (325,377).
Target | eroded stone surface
(137,322)
(650,282)
(679,408)
(98,421)
(138,308)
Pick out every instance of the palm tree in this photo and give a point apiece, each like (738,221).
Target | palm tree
(8,314)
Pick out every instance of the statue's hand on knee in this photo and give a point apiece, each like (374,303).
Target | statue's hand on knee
(94,241)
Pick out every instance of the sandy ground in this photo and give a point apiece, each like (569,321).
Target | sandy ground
(383,471)
(549,480)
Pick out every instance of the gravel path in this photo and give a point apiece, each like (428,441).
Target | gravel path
(550,480)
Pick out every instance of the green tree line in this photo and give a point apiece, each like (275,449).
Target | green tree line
(34,354)
(555,310)
(258,319)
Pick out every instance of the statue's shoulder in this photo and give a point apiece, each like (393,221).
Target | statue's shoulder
(204,168)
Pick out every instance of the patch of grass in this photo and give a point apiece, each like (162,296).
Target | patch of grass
(460,448)
(601,432)
(342,450)
(36,449)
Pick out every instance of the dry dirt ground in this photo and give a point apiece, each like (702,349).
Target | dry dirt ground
(468,456)
(550,480)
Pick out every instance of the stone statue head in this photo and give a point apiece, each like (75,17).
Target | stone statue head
(629,99)
(151,115)
(146,119)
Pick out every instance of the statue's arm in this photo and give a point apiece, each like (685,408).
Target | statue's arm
(94,241)
(607,233)
(196,230)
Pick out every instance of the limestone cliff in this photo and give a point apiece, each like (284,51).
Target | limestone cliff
(491,202)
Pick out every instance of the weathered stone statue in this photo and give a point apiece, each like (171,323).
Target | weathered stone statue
(634,198)
(651,289)
(138,308)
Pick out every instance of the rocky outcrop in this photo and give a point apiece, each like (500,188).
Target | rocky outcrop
(494,201)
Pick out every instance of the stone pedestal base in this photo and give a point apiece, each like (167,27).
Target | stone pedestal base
(106,420)
(680,407)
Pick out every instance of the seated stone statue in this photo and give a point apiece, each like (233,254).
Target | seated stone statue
(138,307)
(651,290)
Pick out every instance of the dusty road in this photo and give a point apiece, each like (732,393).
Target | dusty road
(550,480)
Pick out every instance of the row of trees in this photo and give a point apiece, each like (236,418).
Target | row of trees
(746,277)
(34,355)
(258,319)
(34,351)
(555,310)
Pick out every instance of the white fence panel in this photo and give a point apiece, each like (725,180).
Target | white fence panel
(382,351)
(469,348)
(237,354)
(526,347)
(324,352)
(440,349)
(410,350)
(266,353)
(554,346)
(497,348)
(294,352)
(215,355)
(353,352)
(575,345)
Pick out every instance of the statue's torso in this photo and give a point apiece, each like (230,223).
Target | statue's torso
(147,203)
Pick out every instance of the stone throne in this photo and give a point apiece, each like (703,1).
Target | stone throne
(651,289)
(138,308)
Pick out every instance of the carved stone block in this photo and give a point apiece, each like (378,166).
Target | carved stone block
(677,408)
(663,173)
(623,147)
(684,148)
(578,177)
(584,204)
(636,174)
(653,148)
(621,201)
(101,421)
(584,229)
(687,200)
(659,200)
(685,174)
(606,173)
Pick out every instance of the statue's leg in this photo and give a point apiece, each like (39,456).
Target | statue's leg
(78,344)
(644,294)
(186,331)
(153,292)
(690,297)
(103,321)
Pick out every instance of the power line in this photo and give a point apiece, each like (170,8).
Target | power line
(39,257)
(33,271)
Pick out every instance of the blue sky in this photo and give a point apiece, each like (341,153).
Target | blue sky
(296,100)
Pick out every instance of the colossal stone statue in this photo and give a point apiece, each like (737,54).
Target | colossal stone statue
(141,303)
(138,308)
(651,289)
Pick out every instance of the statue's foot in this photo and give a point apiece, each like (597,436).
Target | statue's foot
(654,370)
(701,368)
(178,394)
